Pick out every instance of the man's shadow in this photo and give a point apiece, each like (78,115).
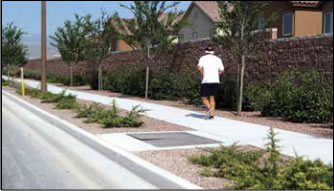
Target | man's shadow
(199,116)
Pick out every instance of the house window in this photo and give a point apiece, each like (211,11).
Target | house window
(287,24)
(195,35)
(328,22)
(261,24)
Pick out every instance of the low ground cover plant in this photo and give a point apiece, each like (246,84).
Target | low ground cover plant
(4,82)
(264,170)
(94,113)
(109,117)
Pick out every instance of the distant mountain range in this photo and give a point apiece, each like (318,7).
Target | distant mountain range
(33,42)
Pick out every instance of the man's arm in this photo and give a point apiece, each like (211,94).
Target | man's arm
(200,70)
(221,68)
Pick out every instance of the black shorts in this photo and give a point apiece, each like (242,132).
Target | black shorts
(208,90)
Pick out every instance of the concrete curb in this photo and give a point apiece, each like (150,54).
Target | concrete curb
(153,174)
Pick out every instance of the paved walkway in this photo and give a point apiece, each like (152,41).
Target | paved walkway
(226,129)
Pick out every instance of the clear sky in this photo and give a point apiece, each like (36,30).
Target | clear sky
(27,15)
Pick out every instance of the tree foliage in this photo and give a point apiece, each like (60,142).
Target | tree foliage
(13,51)
(152,25)
(101,33)
(238,31)
(71,40)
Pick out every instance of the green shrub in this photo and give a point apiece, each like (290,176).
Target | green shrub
(78,80)
(257,95)
(245,170)
(301,97)
(68,102)
(303,174)
(93,80)
(126,81)
(85,112)
(4,82)
(31,74)
(53,98)
(109,117)
(231,164)
(131,120)
(227,96)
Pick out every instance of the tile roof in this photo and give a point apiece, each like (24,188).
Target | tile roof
(313,4)
(210,8)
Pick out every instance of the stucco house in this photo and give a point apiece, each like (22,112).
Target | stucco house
(301,18)
(295,18)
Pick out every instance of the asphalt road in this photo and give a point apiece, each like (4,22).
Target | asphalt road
(37,155)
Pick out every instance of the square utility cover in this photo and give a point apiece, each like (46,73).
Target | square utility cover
(172,139)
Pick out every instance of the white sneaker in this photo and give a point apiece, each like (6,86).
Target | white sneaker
(209,112)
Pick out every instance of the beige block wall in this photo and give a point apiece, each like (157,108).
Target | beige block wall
(308,22)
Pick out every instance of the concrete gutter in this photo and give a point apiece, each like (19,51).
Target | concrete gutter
(151,173)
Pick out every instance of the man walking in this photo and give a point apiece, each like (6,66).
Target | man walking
(210,67)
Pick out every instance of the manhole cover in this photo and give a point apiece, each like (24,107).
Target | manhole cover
(172,139)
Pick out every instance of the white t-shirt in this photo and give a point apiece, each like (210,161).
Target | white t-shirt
(211,66)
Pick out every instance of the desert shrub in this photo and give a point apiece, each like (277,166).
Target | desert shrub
(227,96)
(93,81)
(4,82)
(301,97)
(232,164)
(303,174)
(125,80)
(245,170)
(114,120)
(85,111)
(12,71)
(109,117)
(32,74)
(78,80)
(68,102)
(167,85)
(257,95)
(53,98)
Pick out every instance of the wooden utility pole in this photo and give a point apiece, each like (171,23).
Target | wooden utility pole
(44,87)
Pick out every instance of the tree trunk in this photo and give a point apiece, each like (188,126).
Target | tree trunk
(147,71)
(100,78)
(8,75)
(71,75)
(241,86)
(147,77)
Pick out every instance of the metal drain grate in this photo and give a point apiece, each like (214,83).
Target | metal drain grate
(172,139)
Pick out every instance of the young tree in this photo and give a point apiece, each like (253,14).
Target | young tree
(13,51)
(236,32)
(148,31)
(71,41)
(100,43)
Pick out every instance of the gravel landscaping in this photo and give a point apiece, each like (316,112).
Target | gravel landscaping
(69,115)
(176,161)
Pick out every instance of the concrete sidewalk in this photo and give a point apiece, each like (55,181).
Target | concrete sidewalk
(233,131)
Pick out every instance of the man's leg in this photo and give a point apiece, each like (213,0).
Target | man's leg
(206,102)
(213,105)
